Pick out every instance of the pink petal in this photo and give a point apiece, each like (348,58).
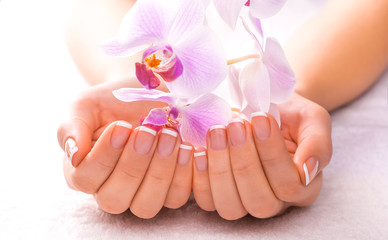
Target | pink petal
(197,118)
(229,10)
(156,116)
(139,94)
(257,24)
(145,23)
(282,77)
(274,111)
(204,64)
(255,85)
(146,76)
(115,49)
(250,30)
(234,86)
(266,8)
(189,15)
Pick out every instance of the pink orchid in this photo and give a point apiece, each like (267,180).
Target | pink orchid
(264,82)
(192,119)
(179,49)
(229,10)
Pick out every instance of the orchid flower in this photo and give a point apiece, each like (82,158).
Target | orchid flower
(264,82)
(229,10)
(179,49)
(191,119)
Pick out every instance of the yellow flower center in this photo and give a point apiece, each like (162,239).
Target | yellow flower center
(152,61)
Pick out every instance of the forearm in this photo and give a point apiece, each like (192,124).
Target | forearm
(341,52)
(92,23)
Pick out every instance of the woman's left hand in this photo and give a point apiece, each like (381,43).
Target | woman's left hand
(260,169)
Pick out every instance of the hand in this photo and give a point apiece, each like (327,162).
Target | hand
(121,167)
(260,169)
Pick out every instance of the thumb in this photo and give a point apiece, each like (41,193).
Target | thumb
(75,138)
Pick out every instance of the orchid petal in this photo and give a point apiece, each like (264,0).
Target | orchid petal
(234,86)
(253,35)
(265,8)
(145,23)
(255,84)
(206,2)
(282,77)
(156,116)
(115,49)
(138,94)
(204,64)
(146,76)
(257,24)
(274,111)
(229,10)
(197,118)
(189,16)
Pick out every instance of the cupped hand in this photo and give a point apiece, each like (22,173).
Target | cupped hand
(123,167)
(259,169)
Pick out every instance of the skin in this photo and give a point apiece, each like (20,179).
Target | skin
(264,176)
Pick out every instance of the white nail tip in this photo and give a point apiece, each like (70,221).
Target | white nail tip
(169,132)
(259,114)
(216,127)
(236,120)
(124,124)
(70,149)
(186,147)
(149,130)
(198,154)
(306,173)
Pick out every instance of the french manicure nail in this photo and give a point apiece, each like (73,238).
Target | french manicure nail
(144,140)
(184,154)
(236,131)
(260,124)
(310,168)
(218,137)
(200,161)
(120,134)
(167,141)
(70,149)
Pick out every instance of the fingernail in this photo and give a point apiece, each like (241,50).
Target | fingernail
(236,131)
(218,137)
(184,154)
(144,140)
(310,168)
(167,142)
(200,161)
(70,149)
(120,134)
(260,123)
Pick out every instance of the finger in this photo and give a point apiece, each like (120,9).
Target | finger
(152,192)
(255,192)
(279,168)
(116,194)
(314,145)
(102,159)
(201,184)
(75,135)
(224,190)
(180,188)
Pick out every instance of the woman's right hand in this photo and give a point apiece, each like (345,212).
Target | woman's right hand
(121,166)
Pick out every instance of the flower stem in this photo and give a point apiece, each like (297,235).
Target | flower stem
(243,58)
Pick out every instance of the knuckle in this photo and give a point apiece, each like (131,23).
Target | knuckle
(241,168)
(143,212)
(219,172)
(229,214)
(83,183)
(134,173)
(288,192)
(159,177)
(107,204)
(265,209)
